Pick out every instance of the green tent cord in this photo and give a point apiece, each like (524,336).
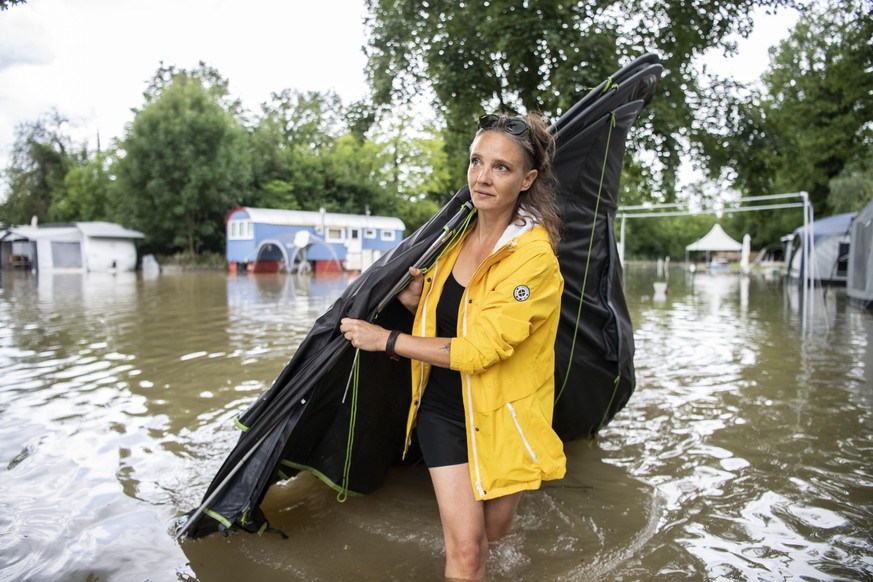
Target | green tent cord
(610,86)
(588,258)
(218,517)
(324,478)
(611,400)
(356,368)
(453,242)
(240,425)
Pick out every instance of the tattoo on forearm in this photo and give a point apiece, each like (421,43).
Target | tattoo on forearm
(447,347)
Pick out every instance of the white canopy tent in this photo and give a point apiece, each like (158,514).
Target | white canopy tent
(715,240)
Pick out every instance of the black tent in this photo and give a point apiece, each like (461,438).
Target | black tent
(341,414)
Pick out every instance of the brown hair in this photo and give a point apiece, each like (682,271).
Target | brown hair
(538,144)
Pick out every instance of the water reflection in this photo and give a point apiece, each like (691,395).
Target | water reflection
(749,430)
(744,453)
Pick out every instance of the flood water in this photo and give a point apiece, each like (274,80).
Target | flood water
(745,452)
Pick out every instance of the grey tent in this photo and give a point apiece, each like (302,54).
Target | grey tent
(859,287)
(830,250)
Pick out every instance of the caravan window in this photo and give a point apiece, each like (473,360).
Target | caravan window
(240,230)
(334,234)
(388,234)
(369,233)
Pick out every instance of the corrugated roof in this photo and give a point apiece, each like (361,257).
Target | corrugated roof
(107,230)
(309,218)
(89,229)
(39,232)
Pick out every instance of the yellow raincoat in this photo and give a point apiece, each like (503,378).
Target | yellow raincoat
(504,349)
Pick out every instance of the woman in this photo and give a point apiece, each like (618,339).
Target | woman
(482,346)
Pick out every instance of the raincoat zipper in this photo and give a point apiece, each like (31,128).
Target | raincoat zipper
(521,432)
(423,327)
(509,247)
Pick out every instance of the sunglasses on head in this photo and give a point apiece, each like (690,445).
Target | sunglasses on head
(511,125)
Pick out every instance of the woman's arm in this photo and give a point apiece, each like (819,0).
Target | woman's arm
(373,338)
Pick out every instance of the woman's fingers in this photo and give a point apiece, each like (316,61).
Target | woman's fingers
(363,335)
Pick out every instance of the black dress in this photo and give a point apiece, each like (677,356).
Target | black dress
(442,433)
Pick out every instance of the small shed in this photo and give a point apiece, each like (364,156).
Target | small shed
(859,286)
(78,246)
(716,240)
(271,240)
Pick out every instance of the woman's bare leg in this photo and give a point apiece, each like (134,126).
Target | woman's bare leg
(463,520)
(499,514)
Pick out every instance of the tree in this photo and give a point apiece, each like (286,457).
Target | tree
(293,131)
(40,160)
(311,152)
(812,118)
(87,191)
(5,4)
(852,189)
(544,56)
(185,164)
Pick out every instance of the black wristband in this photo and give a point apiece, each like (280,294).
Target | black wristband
(389,346)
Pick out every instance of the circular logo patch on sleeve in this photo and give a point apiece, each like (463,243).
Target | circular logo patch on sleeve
(521,293)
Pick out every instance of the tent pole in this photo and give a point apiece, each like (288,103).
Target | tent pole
(621,245)
(181,531)
(430,254)
(813,264)
(807,257)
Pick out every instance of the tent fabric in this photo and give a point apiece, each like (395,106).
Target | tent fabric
(715,240)
(829,251)
(859,286)
(313,417)
(838,224)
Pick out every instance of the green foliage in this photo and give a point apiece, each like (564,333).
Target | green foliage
(852,189)
(812,118)
(209,78)
(287,143)
(546,55)
(659,237)
(86,193)
(5,4)
(186,164)
(187,261)
(309,152)
(40,161)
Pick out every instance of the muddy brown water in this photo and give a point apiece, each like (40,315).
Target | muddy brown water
(744,453)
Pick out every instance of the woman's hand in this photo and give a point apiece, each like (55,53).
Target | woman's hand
(363,335)
(411,294)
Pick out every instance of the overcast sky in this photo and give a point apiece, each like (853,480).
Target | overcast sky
(91,59)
